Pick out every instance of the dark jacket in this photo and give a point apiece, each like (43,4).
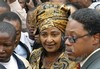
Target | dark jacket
(93,62)
(22,62)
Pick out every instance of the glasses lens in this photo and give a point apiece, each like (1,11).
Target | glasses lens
(73,39)
(70,38)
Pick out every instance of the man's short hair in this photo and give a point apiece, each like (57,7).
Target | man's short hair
(8,28)
(90,18)
(10,16)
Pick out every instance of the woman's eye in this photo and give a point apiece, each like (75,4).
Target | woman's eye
(43,34)
(54,35)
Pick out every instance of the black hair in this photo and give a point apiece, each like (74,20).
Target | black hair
(10,16)
(44,1)
(35,3)
(27,1)
(37,31)
(8,28)
(4,4)
(90,18)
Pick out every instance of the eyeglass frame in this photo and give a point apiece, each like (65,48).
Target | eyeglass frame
(73,39)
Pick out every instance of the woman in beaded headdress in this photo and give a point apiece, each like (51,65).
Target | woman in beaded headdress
(50,19)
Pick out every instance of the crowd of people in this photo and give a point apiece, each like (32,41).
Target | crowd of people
(49,34)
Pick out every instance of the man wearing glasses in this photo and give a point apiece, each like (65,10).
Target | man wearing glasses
(82,38)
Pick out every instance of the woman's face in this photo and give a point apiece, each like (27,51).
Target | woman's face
(51,39)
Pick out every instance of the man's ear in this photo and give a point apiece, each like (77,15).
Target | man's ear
(96,38)
(15,43)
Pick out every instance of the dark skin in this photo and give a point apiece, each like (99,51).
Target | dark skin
(83,3)
(51,42)
(7,46)
(17,26)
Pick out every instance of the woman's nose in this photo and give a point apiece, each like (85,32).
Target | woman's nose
(49,39)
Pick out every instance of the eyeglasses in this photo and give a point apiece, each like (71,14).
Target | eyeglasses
(73,39)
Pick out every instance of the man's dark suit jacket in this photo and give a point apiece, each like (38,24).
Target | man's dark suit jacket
(93,62)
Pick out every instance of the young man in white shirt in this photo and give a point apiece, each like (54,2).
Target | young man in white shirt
(8,58)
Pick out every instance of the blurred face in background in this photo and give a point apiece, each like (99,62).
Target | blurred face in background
(31,28)
(59,1)
(33,32)
(22,3)
(83,3)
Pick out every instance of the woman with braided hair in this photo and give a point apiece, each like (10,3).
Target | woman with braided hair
(50,19)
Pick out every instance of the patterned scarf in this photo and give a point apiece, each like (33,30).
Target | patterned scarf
(49,15)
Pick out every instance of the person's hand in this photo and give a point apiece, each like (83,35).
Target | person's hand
(10,1)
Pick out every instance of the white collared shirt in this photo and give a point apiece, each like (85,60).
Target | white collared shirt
(11,64)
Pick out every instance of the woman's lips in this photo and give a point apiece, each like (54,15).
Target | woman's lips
(50,45)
